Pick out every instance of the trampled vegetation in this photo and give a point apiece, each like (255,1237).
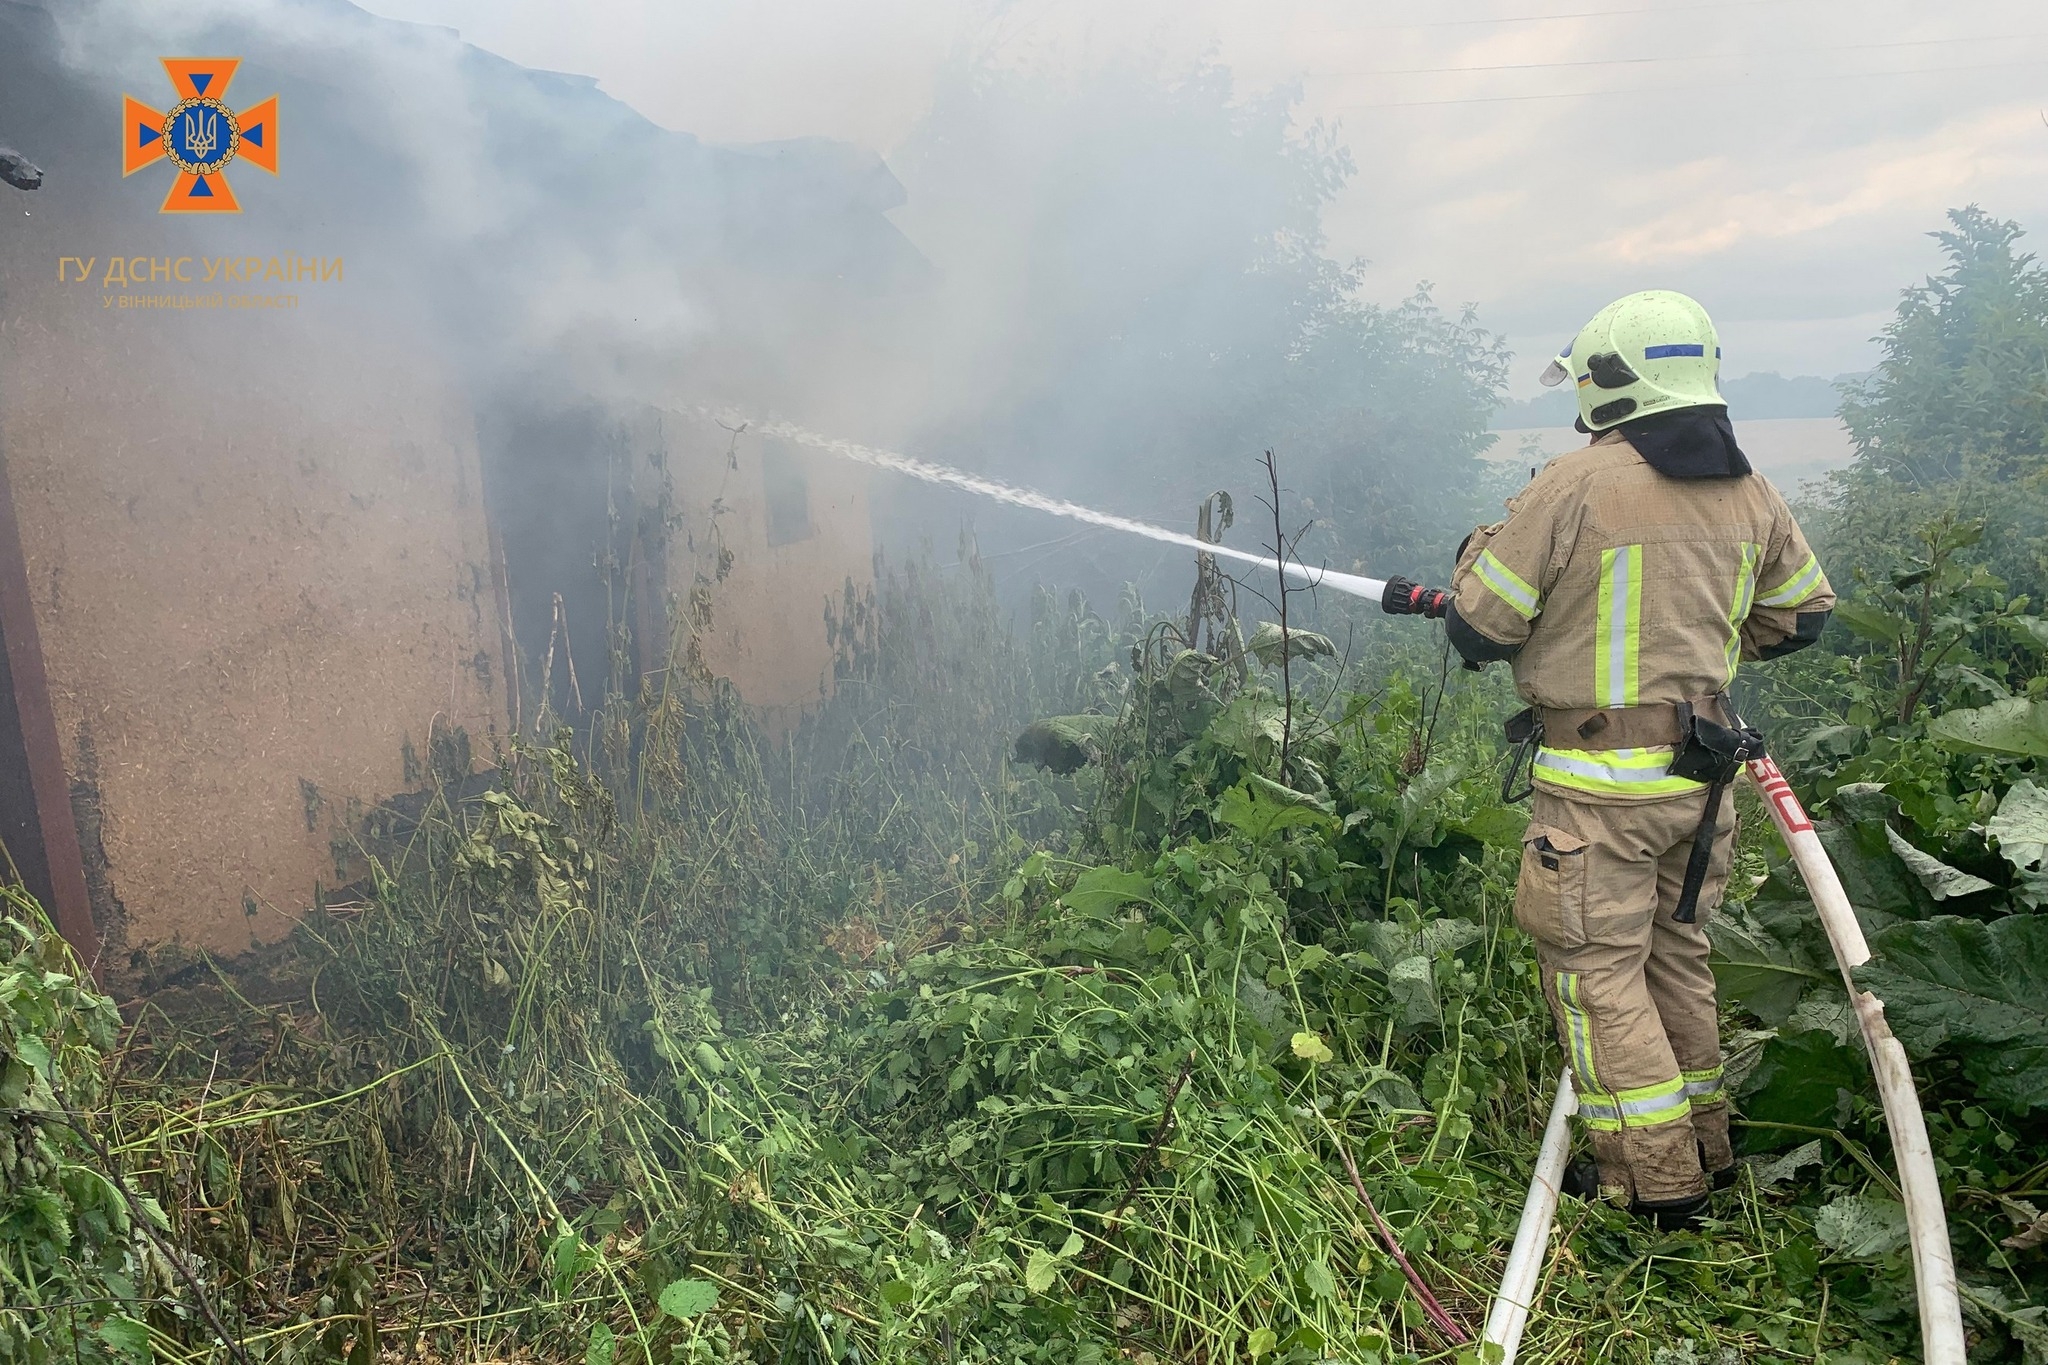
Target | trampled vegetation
(871,1044)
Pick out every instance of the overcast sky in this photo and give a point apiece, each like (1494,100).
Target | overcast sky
(1780,159)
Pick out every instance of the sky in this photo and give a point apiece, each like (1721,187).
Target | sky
(1782,160)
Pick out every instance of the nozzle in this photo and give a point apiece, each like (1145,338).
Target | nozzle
(1403,598)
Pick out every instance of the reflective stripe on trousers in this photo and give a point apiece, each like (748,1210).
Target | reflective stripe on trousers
(1644,1107)
(1704,1086)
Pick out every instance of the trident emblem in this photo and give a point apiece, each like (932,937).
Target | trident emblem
(202,133)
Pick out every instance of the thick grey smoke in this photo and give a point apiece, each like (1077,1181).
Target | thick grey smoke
(1108,281)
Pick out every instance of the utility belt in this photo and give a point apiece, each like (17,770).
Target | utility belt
(1710,744)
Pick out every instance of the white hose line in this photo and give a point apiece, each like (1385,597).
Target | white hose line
(1934,1266)
(1941,1318)
(1510,1312)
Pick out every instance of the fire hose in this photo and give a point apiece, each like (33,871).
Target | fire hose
(1934,1270)
(1941,1325)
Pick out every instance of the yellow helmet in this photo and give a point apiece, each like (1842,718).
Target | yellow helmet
(1645,353)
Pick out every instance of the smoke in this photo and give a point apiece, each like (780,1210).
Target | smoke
(942,476)
(1103,276)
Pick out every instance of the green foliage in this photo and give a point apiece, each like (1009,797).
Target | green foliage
(1973,989)
(1962,388)
(1955,419)
(863,1045)
(77,1275)
(1919,729)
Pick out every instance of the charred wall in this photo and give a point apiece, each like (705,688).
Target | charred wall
(250,597)
(272,553)
(631,538)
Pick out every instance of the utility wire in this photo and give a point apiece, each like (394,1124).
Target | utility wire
(1676,89)
(1589,14)
(1687,57)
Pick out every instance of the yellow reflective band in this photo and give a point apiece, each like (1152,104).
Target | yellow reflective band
(1650,1105)
(1797,588)
(1738,610)
(1578,1028)
(1612,772)
(1599,1112)
(1664,1102)
(1702,1085)
(1507,585)
(1618,632)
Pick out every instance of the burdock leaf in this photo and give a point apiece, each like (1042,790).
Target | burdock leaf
(2015,726)
(1769,1171)
(1861,1227)
(1757,970)
(687,1298)
(1872,623)
(1942,881)
(1979,990)
(1252,810)
(1268,641)
(125,1336)
(2032,1224)
(2021,825)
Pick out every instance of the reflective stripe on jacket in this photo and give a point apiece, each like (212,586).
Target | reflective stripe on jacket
(1623,587)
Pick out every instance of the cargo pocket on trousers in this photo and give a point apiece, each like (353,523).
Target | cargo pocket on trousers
(1550,894)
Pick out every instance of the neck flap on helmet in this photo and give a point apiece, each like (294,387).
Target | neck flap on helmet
(1690,443)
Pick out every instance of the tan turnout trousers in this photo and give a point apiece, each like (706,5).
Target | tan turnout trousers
(1628,986)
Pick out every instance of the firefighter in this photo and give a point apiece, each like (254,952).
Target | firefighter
(1628,581)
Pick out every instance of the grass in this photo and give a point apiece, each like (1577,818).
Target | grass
(680,1046)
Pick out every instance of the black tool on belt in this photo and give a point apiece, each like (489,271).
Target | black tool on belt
(1713,753)
(1524,730)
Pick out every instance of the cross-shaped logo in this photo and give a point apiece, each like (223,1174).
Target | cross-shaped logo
(199,136)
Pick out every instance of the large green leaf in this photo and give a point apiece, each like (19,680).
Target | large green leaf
(1975,989)
(1100,890)
(1268,642)
(1871,622)
(1065,744)
(1494,826)
(1254,809)
(2015,727)
(1942,881)
(1800,1080)
(2021,825)
(1861,1226)
(1878,885)
(1754,969)
(686,1298)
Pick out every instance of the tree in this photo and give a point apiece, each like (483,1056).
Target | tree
(1143,303)
(1954,421)
(1962,390)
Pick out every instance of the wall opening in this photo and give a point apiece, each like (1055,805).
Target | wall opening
(786,493)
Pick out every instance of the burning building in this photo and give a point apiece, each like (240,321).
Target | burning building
(401,450)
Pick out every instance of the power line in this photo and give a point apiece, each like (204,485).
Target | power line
(1688,57)
(1583,14)
(1672,89)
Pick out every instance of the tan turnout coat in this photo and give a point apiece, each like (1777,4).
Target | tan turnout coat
(1624,587)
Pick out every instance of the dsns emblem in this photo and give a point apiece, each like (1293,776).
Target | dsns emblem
(199,136)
